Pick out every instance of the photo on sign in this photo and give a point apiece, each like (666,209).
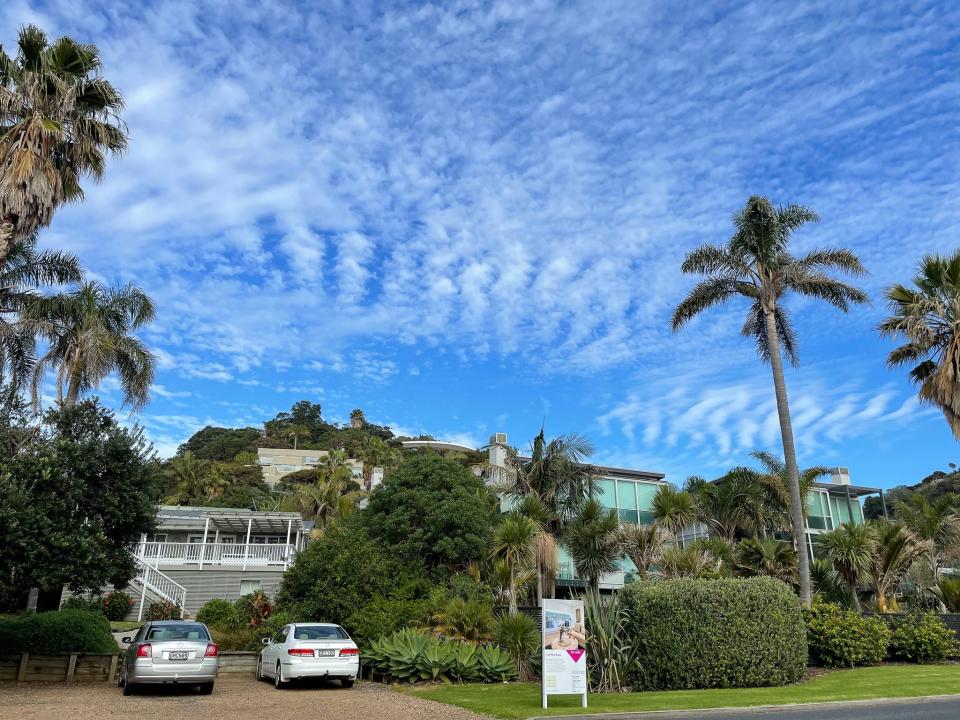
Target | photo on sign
(563,630)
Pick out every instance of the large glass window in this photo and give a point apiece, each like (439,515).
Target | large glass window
(605,490)
(627,501)
(818,511)
(646,491)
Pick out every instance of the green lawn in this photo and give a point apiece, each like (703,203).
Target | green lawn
(886,681)
(123,625)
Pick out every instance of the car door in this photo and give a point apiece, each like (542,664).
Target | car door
(276,648)
(130,657)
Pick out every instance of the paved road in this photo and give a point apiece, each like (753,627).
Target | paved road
(945,709)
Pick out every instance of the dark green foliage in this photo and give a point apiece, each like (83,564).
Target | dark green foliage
(116,605)
(432,510)
(519,635)
(221,613)
(715,633)
(255,608)
(221,444)
(162,610)
(67,631)
(86,487)
(922,637)
(78,602)
(843,638)
(338,574)
(383,616)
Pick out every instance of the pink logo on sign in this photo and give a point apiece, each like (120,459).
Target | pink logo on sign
(575,654)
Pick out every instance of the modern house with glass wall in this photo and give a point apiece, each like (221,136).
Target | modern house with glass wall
(830,504)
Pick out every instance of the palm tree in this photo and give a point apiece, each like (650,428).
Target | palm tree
(851,549)
(928,318)
(90,331)
(376,453)
(767,556)
(357,420)
(545,545)
(556,476)
(897,549)
(777,481)
(188,474)
(644,545)
(937,523)
(24,271)
(756,264)
(691,562)
(515,541)
(827,583)
(673,510)
(327,499)
(58,117)
(732,504)
(593,539)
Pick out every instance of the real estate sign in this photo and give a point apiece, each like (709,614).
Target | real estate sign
(564,643)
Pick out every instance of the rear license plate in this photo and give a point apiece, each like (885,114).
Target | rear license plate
(326,653)
(178,656)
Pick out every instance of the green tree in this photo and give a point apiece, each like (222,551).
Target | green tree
(644,545)
(223,444)
(545,558)
(187,475)
(432,509)
(334,494)
(776,480)
(756,264)
(515,542)
(73,503)
(24,271)
(593,539)
(767,556)
(850,548)
(731,505)
(58,118)
(927,316)
(357,420)
(896,550)
(673,510)
(937,523)
(90,331)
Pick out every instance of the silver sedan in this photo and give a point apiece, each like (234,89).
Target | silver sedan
(169,651)
(309,650)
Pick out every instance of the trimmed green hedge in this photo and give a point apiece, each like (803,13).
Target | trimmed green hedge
(66,631)
(843,638)
(715,633)
(922,637)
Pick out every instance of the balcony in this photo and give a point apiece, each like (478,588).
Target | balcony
(253,555)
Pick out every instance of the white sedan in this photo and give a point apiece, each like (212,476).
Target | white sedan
(309,650)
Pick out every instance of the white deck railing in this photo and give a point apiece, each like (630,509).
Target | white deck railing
(172,553)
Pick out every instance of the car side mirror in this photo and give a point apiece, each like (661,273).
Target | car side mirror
(127,640)
(267,641)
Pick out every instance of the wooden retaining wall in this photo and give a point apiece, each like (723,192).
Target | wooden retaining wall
(74,667)
(235,661)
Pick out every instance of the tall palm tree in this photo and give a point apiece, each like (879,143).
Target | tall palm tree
(90,331)
(329,498)
(25,270)
(376,453)
(58,119)
(593,539)
(756,264)
(928,318)
(554,474)
(673,510)
(851,549)
(545,545)
(514,542)
(644,545)
(936,522)
(897,549)
(188,474)
(357,419)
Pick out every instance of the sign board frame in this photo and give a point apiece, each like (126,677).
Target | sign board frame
(563,653)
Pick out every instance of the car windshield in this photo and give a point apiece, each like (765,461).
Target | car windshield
(184,631)
(320,632)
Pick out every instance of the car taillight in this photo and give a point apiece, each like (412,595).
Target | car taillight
(144,650)
(349,651)
(301,652)
(212,650)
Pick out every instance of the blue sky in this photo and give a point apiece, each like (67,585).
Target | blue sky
(467,217)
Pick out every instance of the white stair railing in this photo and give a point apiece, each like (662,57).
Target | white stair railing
(159,584)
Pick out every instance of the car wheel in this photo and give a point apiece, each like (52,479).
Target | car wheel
(278,680)
(259,669)
(347,682)
(120,678)
(206,689)
(128,688)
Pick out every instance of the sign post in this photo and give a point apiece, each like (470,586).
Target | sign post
(563,638)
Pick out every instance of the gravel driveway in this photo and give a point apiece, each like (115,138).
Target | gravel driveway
(235,698)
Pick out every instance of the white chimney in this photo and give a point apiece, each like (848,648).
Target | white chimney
(840,476)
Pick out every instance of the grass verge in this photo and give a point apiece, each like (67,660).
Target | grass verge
(124,625)
(522,700)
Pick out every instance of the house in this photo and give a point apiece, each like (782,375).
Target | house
(200,553)
(278,462)
(830,504)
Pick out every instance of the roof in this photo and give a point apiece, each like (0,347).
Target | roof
(627,473)
(172,517)
(855,490)
(436,445)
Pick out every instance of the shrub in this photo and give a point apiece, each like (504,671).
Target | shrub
(162,610)
(519,635)
(470,619)
(715,633)
(116,605)
(66,631)
(843,638)
(268,629)
(78,602)
(255,608)
(922,637)
(382,616)
(220,613)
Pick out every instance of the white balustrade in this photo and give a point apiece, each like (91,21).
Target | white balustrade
(256,554)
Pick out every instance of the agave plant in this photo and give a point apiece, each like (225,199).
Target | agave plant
(437,659)
(496,664)
(466,663)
